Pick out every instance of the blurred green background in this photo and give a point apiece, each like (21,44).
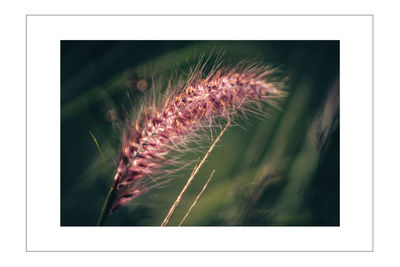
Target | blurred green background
(277,171)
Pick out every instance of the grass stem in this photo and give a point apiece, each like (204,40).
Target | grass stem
(173,207)
(106,207)
(197,198)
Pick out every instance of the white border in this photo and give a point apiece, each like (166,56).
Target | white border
(43,133)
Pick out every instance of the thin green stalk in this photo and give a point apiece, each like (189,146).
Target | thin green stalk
(98,147)
(106,207)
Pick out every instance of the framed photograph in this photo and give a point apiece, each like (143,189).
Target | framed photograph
(255,135)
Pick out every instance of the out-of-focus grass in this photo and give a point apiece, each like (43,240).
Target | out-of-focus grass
(275,171)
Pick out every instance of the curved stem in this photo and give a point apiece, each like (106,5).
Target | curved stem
(106,207)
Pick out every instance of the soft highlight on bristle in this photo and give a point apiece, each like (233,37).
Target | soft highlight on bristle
(178,116)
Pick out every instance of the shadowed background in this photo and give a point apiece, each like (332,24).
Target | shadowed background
(276,171)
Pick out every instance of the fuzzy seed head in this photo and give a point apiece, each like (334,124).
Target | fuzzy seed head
(175,122)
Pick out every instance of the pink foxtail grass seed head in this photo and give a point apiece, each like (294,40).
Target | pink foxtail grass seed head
(183,112)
